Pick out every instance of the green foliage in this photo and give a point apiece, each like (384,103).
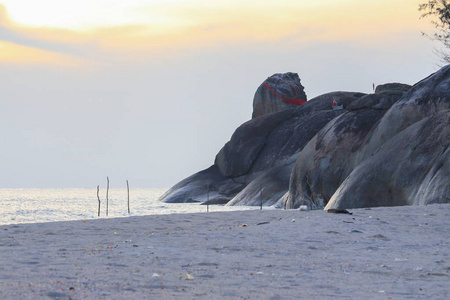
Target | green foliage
(439,12)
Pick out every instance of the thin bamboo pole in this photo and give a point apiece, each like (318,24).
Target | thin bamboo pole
(98,197)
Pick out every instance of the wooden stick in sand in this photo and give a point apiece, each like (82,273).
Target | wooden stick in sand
(98,197)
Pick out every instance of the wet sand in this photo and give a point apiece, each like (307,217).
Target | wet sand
(379,253)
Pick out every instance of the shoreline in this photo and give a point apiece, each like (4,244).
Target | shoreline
(74,204)
(378,253)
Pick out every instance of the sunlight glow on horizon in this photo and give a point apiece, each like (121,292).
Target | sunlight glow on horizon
(136,28)
(78,15)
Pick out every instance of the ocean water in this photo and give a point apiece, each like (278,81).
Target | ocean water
(48,205)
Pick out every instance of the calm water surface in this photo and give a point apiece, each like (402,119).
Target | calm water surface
(49,205)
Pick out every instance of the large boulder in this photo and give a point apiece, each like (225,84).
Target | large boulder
(400,160)
(278,92)
(331,155)
(410,169)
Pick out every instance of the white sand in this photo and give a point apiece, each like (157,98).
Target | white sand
(382,253)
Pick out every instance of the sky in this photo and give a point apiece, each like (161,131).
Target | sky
(150,90)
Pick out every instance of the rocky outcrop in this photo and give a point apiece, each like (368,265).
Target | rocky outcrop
(426,98)
(268,188)
(273,173)
(277,93)
(202,186)
(257,146)
(390,164)
(411,168)
(329,158)
(386,148)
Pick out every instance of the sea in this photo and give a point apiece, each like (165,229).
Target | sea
(39,205)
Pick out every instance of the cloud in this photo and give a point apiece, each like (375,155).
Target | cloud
(105,46)
(179,29)
(100,46)
(22,44)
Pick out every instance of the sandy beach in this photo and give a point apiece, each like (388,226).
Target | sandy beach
(379,253)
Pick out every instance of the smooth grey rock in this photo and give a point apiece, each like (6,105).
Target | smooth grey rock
(426,98)
(329,158)
(237,157)
(268,188)
(362,177)
(410,169)
(285,85)
(195,188)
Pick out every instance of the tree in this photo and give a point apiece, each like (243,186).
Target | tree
(439,11)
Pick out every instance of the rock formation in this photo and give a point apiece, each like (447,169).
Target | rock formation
(390,165)
(411,168)
(382,149)
(278,92)
(406,158)
(255,147)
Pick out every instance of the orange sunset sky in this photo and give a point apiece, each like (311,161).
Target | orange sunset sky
(84,31)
